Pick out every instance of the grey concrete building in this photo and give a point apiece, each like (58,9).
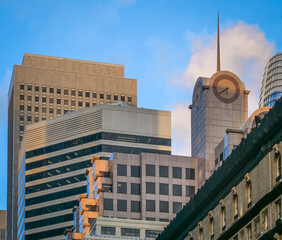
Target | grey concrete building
(44,87)
(271,88)
(55,153)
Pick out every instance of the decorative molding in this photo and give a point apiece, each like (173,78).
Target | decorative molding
(234,191)
(276,149)
(200,225)
(247,178)
(221,203)
(210,214)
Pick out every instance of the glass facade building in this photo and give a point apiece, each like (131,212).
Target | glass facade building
(271,89)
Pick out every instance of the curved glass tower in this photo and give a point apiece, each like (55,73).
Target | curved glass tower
(271,89)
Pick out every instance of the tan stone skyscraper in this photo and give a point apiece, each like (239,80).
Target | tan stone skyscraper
(44,87)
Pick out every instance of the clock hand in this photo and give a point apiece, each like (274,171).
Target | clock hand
(224,90)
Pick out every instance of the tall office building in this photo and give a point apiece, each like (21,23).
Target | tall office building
(44,87)
(271,89)
(55,154)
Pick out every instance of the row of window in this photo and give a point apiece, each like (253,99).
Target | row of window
(135,206)
(151,189)
(73,92)
(129,232)
(151,171)
(46,234)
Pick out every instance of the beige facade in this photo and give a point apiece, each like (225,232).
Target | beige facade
(3,225)
(45,87)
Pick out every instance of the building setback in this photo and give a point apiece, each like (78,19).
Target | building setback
(242,199)
(45,87)
(55,153)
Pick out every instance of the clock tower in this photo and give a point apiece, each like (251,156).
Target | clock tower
(219,103)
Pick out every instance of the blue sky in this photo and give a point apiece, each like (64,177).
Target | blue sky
(161,43)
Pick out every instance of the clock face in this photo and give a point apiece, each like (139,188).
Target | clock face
(226,88)
(197,95)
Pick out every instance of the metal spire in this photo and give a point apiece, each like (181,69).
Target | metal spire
(218,46)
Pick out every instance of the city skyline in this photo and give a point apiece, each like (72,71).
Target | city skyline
(164,61)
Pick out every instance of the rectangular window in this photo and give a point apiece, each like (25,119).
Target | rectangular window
(163,188)
(278,209)
(150,170)
(66,111)
(66,102)
(66,91)
(101,95)
(58,101)
(122,205)
(150,219)
(73,92)
(29,98)
(115,97)
(122,98)
(36,88)
(150,205)
(177,206)
(44,110)
(150,188)
(21,117)
(29,118)
(36,109)
(164,206)
(73,103)
(130,232)
(177,172)
(121,170)
(21,128)
(94,104)
(58,90)
(29,87)
(29,108)
(44,99)
(22,107)
(107,187)
(51,110)
(58,111)
(36,98)
(163,171)
(22,97)
(80,103)
(51,100)
(51,90)
(190,173)
(108,204)
(177,190)
(164,220)
(109,96)
(94,95)
(135,188)
(265,221)
(190,191)
(87,104)
(87,94)
(80,93)
(129,99)
(135,206)
(44,89)
(22,86)
(36,119)
(108,230)
(135,171)
(122,187)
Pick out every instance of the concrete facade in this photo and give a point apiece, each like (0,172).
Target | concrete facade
(45,87)
(55,153)
(3,224)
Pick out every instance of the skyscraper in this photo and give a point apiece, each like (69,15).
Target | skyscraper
(271,89)
(44,87)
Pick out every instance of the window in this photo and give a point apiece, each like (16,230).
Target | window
(177,172)
(94,104)
(121,205)
(94,95)
(235,207)
(190,173)
(249,232)
(66,102)
(129,99)
(177,206)
(115,97)
(150,170)
(36,88)
(36,119)
(107,187)
(73,103)
(29,118)
(80,93)
(177,190)
(44,99)
(87,104)
(36,99)
(223,218)
(190,191)
(22,107)
(135,188)
(135,206)
(29,87)
(44,110)
(150,188)
(87,94)
(122,187)
(36,109)
(58,101)
(163,188)
(152,233)
(58,90)
(265,221)
(150,219)
(122,98)
(108,204)
(66,111)
(22,97)
(51,110)
(66,91)
(109,96)
(108,230)
(211,228)
(44,89)
(51,100)
(51,90)
(21,117)
(257,227)
(80,103)
(121,170)
(164,220)
(135,171)
(249,194)
(101,95)
(150,206)
(29,108)
(164,206)
(21,128)
(278,167)
(130,232)
(163,171)
(58,111)
(29,98)
(43,118)
(22,86)
(278,209)
(73,92)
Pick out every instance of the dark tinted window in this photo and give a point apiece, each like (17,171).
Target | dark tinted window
(51,90)
(21,97)
(129,99)
(150,170)
(44,89)
(177,172)
(87,94)
(108,96)
(130,232)
(107,187)
(80,93)
(121,170)
(151,233)
(22,86)
(108,204)
(177,190)
(94,95)
(164,220)
(135,171)
(190,191)
(164,206)
(73,92)
(121,205)
(177,206)
(122,98)
(36,88)
(190,173)
(135,206)
(101,95)
(115,97)
(163,189)
(150,206)
(150,219)
(163,171)
(150,188)
(122,187)
(135,188)
(22,107)
(108,230)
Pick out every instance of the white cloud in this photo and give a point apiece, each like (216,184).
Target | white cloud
(244,51)
(4,87)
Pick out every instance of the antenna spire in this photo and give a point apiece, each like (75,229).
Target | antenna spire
(218,46)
